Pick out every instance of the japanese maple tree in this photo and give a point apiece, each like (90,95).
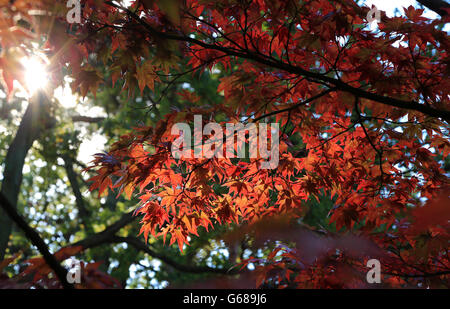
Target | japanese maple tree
(363,118)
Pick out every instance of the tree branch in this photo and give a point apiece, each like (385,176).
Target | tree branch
(141,246)
(80,118)
(34,121)
(296,105)
(424,275)
(437,6)
(36,240)
(108,236)
(278,64)
(72,176)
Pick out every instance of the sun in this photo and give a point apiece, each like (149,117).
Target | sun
(36,75)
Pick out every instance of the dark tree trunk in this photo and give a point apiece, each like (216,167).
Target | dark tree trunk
(35,119)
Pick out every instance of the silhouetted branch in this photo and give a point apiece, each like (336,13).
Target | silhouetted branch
(36,240)
(281,65)
(142,246)
(437,6)
(106,235)
(87,119)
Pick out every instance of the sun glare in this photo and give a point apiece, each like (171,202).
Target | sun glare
(65,96)
(36,76)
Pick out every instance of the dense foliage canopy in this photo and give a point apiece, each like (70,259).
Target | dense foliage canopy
(364,147)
